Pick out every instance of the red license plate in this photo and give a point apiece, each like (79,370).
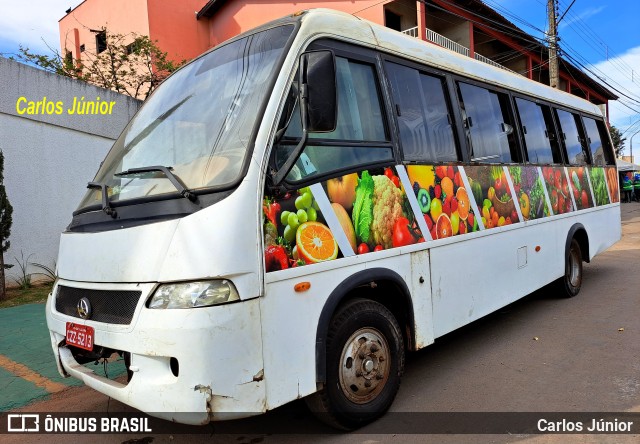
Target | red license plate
(80,336)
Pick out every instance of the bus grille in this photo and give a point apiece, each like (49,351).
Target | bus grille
(108,306)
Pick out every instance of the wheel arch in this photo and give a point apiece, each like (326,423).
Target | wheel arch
(373,284)
(579,233)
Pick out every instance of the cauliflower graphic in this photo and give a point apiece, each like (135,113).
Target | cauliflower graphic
(387,208)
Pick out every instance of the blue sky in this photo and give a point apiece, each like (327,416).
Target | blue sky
(604,36)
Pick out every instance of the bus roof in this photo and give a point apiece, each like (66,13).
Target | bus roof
(318,23)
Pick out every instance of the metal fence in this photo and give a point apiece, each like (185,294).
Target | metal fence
(491,62)
(444,42)
(413,32)
(441,40)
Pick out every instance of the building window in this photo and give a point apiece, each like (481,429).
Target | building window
(101,41)
(133,47)
(68,58)
(392,20)
(82,48)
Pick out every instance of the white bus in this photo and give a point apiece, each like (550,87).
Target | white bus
(293,211)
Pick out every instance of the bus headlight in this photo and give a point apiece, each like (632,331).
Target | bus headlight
(194,294)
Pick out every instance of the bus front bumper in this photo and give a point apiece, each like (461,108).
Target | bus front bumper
(220,365)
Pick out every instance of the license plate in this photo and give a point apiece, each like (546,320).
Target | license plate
(80,336)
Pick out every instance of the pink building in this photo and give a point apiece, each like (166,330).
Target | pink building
(172,23)
(186,28)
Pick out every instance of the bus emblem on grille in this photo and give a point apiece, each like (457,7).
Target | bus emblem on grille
(84,308)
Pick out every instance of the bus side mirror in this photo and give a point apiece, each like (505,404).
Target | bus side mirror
(318,103)
(318,80)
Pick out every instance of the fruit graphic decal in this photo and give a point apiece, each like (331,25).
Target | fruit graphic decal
(373,211)
(558,189)
(315,243)
(529,192)
(443,200)
(493,196)
(580,188)
(599,184)
(612,183)
(342,190)
(295,232)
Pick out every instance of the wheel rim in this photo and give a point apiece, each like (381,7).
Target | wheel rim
(574,268)
(364,365)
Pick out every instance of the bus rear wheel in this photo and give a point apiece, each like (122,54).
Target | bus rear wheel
(570,284)
(365,362)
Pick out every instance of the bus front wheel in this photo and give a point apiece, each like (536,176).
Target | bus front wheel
(571,282)
(365,361)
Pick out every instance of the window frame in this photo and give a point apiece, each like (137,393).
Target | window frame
(452,106)
(360,55)
(68,58)
(581,135)
(511,110)
(550,107)
(608,150)
(101,41)
(379,58)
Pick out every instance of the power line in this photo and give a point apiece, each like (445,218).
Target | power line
(606,83)
(601,76)
(519,33)
(565,12)
(585,32)
(533,41)
(616,63)
(630,127)
(508,13)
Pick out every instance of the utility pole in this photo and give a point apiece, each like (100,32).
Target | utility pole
(554,76)
(631,152)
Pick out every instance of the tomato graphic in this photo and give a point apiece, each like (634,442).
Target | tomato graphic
(401,233)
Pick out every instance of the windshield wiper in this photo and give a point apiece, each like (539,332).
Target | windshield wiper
(158,120)
(184,191)
(106,206)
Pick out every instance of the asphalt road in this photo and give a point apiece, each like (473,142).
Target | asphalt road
(586,358)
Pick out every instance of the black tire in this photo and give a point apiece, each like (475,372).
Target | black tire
(569,285)
(365,362)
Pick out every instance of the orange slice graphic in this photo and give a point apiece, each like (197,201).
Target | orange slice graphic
(463,203)
(315,243)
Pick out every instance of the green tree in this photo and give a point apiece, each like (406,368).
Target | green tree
(618,140)
(130,64)
(6,212)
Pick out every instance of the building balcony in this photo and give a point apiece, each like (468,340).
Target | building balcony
(449,44)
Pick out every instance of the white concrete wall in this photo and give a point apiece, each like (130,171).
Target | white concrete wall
(50,158)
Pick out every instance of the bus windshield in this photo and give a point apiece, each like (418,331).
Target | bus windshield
(198,122)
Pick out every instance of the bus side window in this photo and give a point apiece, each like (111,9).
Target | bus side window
(424,119)
(573,143)
(598,142)
(552,134)
(360,137)
(538,131)
(489,124)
